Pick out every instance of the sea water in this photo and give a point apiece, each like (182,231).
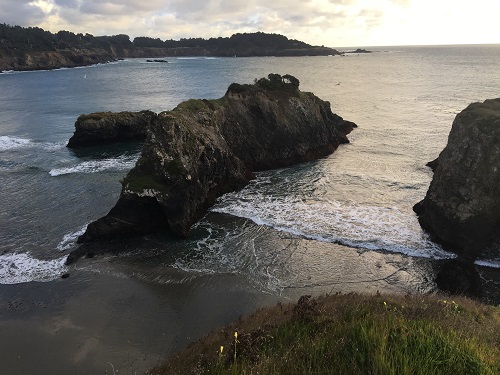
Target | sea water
(403,99)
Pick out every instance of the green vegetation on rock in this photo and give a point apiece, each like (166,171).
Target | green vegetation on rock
(140,183)
(273,82)
(192,105)
(175,166)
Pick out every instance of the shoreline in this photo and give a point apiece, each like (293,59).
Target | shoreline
(117,310)
(134,312)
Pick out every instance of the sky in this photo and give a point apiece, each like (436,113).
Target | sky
(332,23)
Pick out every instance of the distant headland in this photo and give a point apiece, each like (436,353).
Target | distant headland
(33,48)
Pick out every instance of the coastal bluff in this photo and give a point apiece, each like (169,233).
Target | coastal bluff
(203,149)
(462,207)
(33,48)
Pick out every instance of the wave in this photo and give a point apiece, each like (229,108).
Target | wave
(121,163)
(491,263)
(349,224)
(22,268)
(12,143)
(216,249)
(111,62)
(69,240)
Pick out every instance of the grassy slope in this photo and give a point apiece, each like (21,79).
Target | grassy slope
(352,334)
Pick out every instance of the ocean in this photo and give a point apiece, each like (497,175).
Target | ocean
(340,224)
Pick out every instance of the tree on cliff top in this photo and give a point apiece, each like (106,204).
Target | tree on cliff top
(278,82)
(274,82)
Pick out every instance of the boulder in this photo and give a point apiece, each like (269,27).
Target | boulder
(462,207)
(203,149)
(108,127)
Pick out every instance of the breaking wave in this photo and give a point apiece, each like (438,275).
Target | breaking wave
(121,163)
(22,268)
(345,223)
(69,240)
(12,143)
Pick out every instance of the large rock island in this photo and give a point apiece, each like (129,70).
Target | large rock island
(462,207)
(203,149)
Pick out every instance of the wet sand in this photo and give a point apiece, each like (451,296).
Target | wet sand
(106,316)
(88,324)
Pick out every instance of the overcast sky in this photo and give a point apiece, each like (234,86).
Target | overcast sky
(333,23)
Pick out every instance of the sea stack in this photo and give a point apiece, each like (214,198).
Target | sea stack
(110,127)
(462,207)
(203,149)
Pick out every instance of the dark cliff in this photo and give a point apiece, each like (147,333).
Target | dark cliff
(205,148)
(462,207)
(33,48)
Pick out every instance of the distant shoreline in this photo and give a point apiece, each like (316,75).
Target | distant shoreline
(28,49)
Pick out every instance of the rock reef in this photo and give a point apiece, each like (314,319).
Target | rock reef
(462,207)
(203,149)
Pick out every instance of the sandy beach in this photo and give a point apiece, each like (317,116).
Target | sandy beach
(107,315)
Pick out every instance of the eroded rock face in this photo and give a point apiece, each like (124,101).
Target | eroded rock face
(205,148)
(462,206)
(108,127)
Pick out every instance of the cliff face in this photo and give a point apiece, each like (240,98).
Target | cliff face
(205,148)
(34,48)
(47,60)
(462,206)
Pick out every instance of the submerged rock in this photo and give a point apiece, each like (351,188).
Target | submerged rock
(205,148)
(108,127)
(462,207)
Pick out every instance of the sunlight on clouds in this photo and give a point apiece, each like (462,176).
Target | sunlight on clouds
(335,23)
(445,22)
(45,5)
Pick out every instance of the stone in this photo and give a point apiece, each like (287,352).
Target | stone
(203,149)
(108,127)
(462,207)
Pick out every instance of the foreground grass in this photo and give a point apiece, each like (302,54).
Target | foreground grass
(352,334)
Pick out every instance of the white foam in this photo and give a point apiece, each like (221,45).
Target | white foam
(10,143)
(22,268)
(350,224)
(52,146)
(492,263)
(69,240)
(92,166)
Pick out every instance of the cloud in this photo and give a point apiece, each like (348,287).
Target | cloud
(23,13)
(328,22)
(306,20)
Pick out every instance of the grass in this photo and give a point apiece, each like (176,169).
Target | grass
(139,183)
(352,334)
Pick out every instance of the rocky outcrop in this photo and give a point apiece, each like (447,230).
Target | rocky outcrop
(205,148)
(48,60)
(108,127)
(462,207)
